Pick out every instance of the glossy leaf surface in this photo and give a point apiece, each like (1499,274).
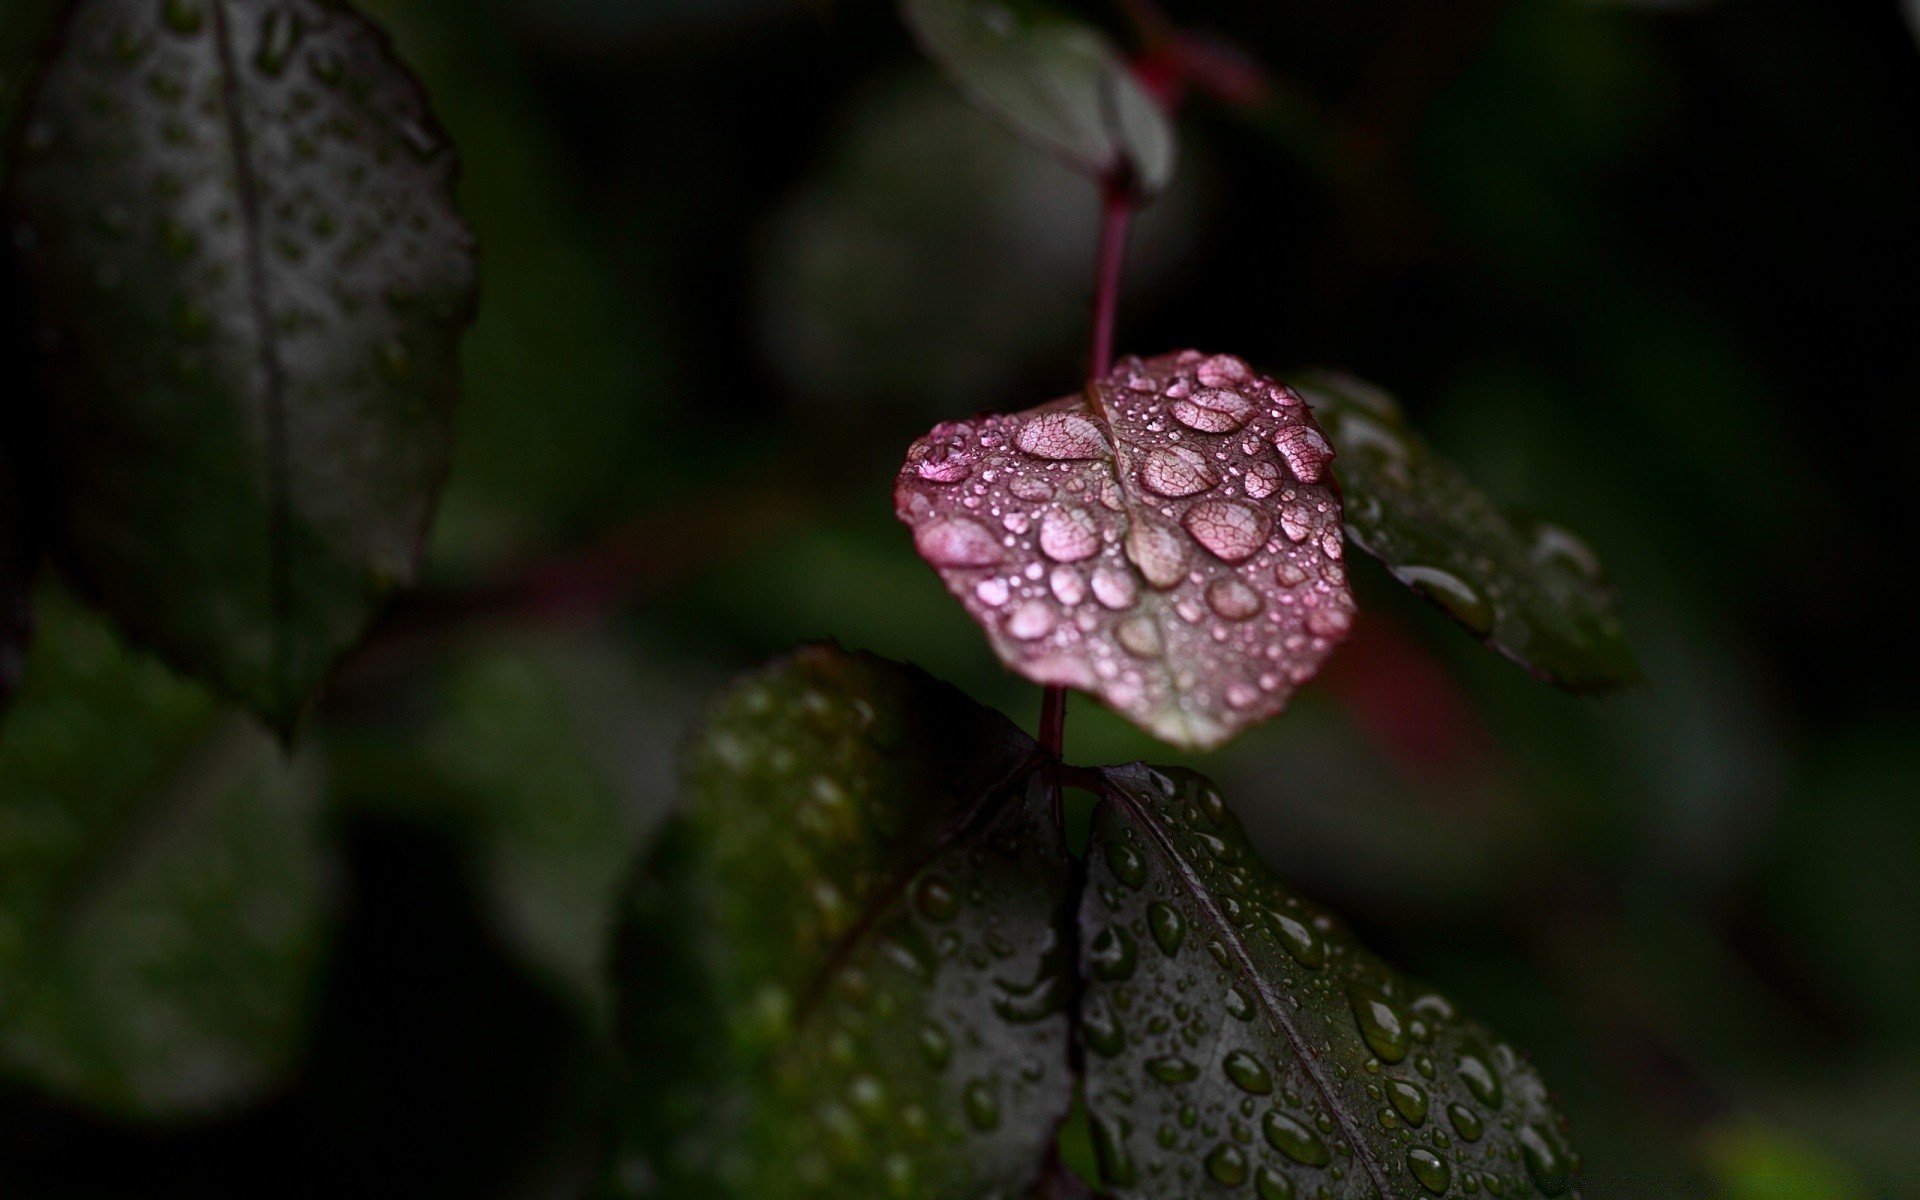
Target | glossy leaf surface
(840,972)
(163,896)
(1053,80)
(1174,549)
(1239,1039)
(248,282)
(1529,589)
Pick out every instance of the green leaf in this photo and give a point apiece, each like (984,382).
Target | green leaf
(248,280)
(163,897)
(1238,1037)
(1527,588)
(840,975)
(1051,79)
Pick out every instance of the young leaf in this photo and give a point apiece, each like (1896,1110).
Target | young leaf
(163,895)
(1170,542)
(1527,588)
(1237,1037)
(248,280)
(840,974)
(1052,80)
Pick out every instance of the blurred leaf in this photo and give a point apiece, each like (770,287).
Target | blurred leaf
(162,892)
(1529,589)
(1052,80)
(840,976)
(1187,572)
(1237,1033)
(249,281)
(1755,1161)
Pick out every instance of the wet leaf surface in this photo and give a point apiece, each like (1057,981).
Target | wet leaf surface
(1530,589)
(248,281)
(1238,1040)
(1051,79)
(840,975)
(1176,551)
(163,894)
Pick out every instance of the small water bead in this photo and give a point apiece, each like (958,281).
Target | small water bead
(1031,621)
(1270,1184)
(1238,1006)
(1455,595)
(1223,371)
(1101,1028)
(1213,410)
(1299,1142)
(1466,1122)
(1231,531)
(982,1104)
(1069,534)
(1139,636)
(1548,1160)
(1299,938)
(1114,589)
(1160,551)
(1248,1073)
(1112,955)
(1172,1069)
(992,592)
(1409,1100)
(1227,1165)
(1381,1024)
(1305,450)
(1067,586)
(1242,695)
(1126,864)
(1031,488)
(1168,927)
(1175,471)
(1428,1167)
(1261,480)
(1062,437)
(1110,1132)
(1329,622)
(1561,548)
(1289,574)
(935,1046)
(1481,1080)
(957,542)
(936,899)
(1233,599)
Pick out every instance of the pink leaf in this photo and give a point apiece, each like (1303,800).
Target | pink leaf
(1170,541)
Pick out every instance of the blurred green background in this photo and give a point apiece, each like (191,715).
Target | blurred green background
(1645,267)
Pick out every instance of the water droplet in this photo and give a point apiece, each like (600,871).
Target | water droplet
(1453,594)
(1306,451)
(1227,1165)
(1429,1169)
(1171,1068)
(1295,1140)
(1030,488)
(946,455)
(1168,927)
(1114,589)
(1062,437)
(1101,1027)
(1481,1080)
(1272,1185)
(1031,621)
(1262,479)
(1139,636)
(1026,1003)
(1558,547)
(1233,599)
(1067,586)
(1409,1100)
(1233,532)
(1160,552)
(1330,623)
(1111,954)
(1299,938)
(1380,1023)
(1223,371)
(1296,521)
(1466,1122)
(280,34)
(936,900)
(1248,1073)
(1069,534)
(183,16)
(419,137)
(935,1046)
(1213,410)
(1175,471)
(956,542)
(1547,1158)
(992,592)
(1110,1132)
(982,1105)
(1212,804)
(1126,864)
(1238,1006)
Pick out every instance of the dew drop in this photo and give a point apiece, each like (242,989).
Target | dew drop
(992,592)
(1380,1023)
(935,1046)
(1262,479)
(1548,1160)
(1069,534)
(1238,1006)
(1227,1165)
(1429,1169)
(1030,488)
(1296,521)
(936,899)
(280,34)
(1248,1073)
(1331,623)
(1101,1028)
(1168,927)
(981,1104)
(1031,621)
(1409,1100)
(1114,589)
(956,542)
(1242,695)
(1270,1184)
(1455,595)
(1223,370)
(1139,636)
(1299,938)
(1067,586)
(1295,1140)
(1126,864)
(1062,437)
(946,455)
(1233,532)
(1160,552)
(1175,471)
(1306,451)
(1481,1080)
(1560,548)
(1111,954)
(1233,599)
(1171,1069)
(1110,1132)
(1466,1122)
(1289,573)
(1213,410)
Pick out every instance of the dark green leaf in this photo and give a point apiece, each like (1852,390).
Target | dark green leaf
(162,893)
(1238,1037)
(840,976)
(1053,80)
(248,281)
(1528,588)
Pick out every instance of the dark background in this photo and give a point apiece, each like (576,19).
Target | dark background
(1644,267)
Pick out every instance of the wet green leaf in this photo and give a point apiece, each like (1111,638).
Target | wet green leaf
(248,281)
(840,975)
(1051,79)
(1237,1036)
(163,897)
(1529,589)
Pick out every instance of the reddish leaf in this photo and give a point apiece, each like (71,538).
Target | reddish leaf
(1170,542)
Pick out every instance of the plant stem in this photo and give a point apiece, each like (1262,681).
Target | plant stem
(1116,212)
